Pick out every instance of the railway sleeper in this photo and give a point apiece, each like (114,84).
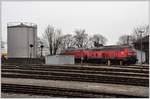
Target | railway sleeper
(98,79)
(76,71)
(80,68)
(58,92)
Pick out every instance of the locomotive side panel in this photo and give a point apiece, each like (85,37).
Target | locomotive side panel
(114,54)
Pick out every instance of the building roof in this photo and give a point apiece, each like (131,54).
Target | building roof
(21,24)
(108,47)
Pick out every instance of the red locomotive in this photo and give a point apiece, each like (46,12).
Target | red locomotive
(115,54)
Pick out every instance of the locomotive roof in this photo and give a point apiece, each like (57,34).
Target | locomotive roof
(110,47)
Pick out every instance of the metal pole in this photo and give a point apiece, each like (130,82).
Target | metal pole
(30,55)
(128,40)
(109,62)
(82,56)
(31,45)
(41,51)
(30,51)
(141,47)
(141,31)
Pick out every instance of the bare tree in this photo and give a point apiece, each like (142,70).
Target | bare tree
(98,40)
(81,39)
(130,39)
(67,41)
(137,31)
(52,38)
(126,40)
(57,41)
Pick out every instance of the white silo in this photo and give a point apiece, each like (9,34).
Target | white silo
(20,36)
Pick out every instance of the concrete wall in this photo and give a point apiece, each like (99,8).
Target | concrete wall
(59,59)
(19,39)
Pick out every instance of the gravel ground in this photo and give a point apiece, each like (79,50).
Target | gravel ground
(13,95)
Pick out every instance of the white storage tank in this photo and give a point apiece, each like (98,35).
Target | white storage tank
(59,59)
(21,36)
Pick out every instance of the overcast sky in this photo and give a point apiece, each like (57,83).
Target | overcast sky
(111,19)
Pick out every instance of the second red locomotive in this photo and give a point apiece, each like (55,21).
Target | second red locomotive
(115,54)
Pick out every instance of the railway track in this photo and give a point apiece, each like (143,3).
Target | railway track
(85,74)
(130,75)
(74,67)
(122,66)
(55,91)
(99,79)
(78,71)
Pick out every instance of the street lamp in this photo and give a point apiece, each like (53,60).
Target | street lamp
(41,49)
(82,58)
(141,31)
(31,45)
(128,40)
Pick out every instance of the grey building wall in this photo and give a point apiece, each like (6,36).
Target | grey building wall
(59,59)
(19,39)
